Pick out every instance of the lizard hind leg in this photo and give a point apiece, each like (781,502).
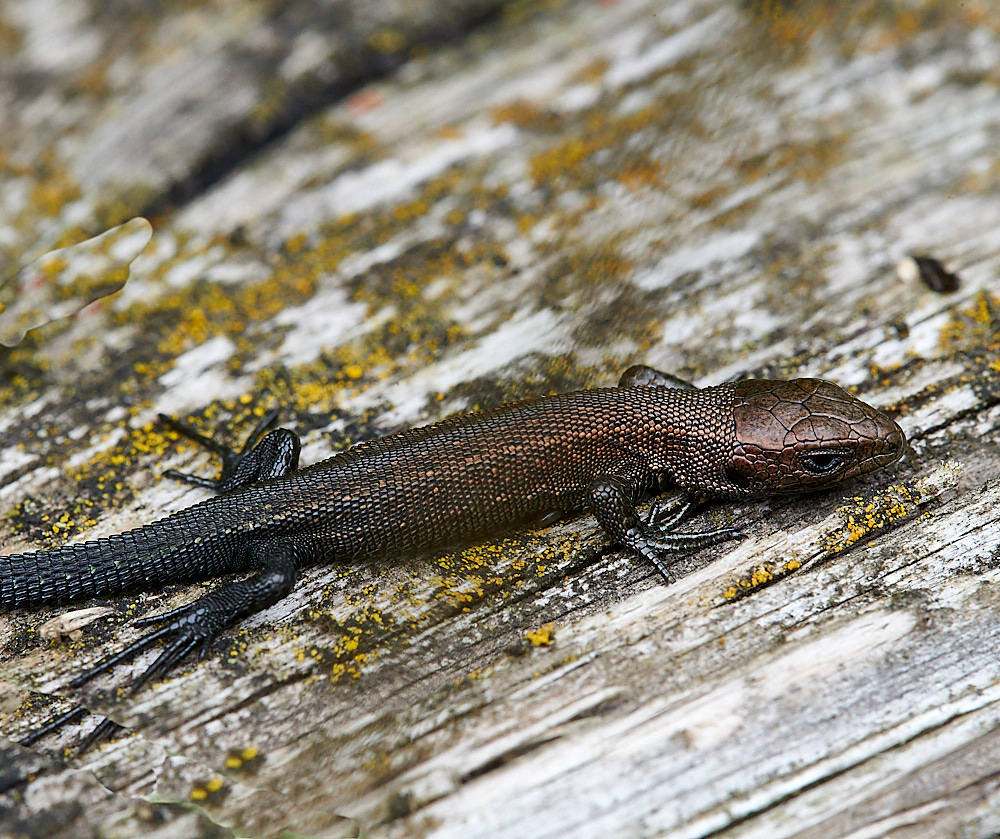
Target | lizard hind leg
(196,625)
(262,457)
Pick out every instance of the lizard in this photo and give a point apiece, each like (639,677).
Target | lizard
(449,484)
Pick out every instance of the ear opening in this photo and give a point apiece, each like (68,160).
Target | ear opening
(737,477)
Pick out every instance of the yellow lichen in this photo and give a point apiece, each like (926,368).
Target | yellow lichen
(973,328)
(870,515)
(760,576)
(544,636)
(388,41)
(237,760)
(522,113)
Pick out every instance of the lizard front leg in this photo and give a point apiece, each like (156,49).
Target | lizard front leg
(262,457)
(612,499)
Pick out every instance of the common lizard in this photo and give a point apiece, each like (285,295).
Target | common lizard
(460,480)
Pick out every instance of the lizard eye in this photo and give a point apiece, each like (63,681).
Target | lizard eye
(822,462)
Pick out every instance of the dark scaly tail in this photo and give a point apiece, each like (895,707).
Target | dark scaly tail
(190,545)
(87,569)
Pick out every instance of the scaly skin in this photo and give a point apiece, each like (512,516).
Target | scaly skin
(460,480)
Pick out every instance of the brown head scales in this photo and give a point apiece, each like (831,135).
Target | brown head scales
(805,434)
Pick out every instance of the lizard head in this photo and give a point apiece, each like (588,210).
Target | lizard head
(804,434)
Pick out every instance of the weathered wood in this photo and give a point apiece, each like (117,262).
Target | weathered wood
(708,187)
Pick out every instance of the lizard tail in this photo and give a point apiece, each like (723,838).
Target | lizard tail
(144,558)
(74,572)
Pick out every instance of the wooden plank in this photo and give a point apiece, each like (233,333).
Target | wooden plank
(708,187)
